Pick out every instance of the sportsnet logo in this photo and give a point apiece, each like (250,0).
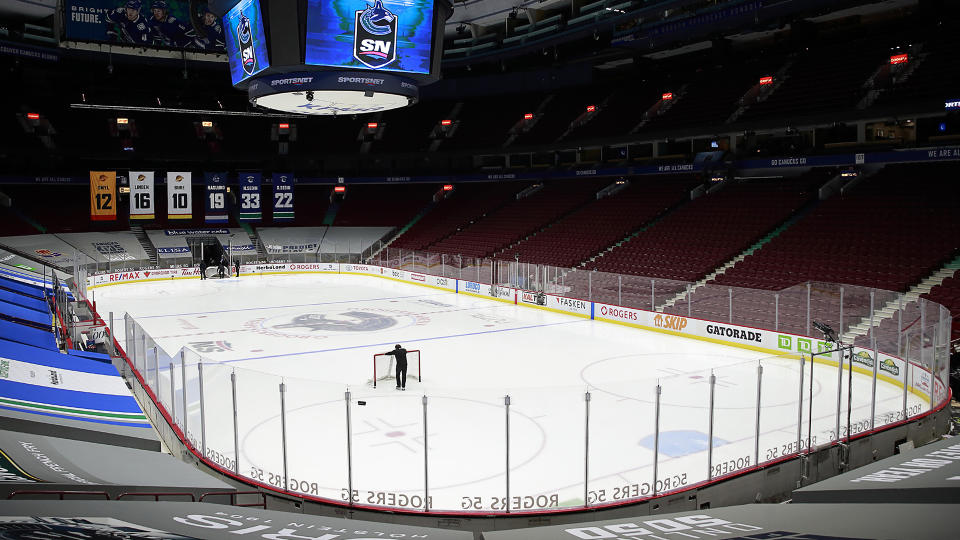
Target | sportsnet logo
(293,80)
(375,36)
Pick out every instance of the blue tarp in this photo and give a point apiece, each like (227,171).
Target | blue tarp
(98,357)
(28,302)
(68,398)
(54,359)
(27,335)
(23,288)
(24,314)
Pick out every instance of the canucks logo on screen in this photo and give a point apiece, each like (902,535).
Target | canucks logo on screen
(375,36)
(248,55)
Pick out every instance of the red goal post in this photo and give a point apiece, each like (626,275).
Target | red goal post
(384,367)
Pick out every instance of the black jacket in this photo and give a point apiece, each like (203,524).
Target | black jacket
(400,355)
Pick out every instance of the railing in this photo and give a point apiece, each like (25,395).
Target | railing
(610,441)
(59,494)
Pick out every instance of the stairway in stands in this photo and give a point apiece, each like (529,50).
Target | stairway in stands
(255,240)
(749,251)
(423,211)
(889,310)
(145,243)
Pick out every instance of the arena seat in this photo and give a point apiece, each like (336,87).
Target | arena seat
(599,224)
(382,205)
(890,232)
(519,218)
(947,294)
(468,203)
(698,237)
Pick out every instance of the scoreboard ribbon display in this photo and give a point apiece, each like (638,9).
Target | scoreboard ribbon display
(282,196)
(179,198)
(142,201)
(250,209)
(103,195)
(216,200)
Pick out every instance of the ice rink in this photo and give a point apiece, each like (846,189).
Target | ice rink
(318,334)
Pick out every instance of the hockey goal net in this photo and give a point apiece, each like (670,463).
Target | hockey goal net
(385,368)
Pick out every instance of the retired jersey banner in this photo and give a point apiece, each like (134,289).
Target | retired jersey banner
(282,196)
(103,195)
(179,198)
(142,201)
(250,196)
(216,199)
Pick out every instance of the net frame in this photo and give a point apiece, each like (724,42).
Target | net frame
(387,367)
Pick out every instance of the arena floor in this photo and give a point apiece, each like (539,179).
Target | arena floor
(318,333)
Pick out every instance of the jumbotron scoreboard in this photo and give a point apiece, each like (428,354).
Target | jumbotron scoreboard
(328,57)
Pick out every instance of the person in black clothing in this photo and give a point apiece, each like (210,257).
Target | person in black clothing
(222,267)
(400,354)
(203,269)
(236,266)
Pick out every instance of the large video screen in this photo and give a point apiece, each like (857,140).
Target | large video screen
(147,23)
(385,35)
(246,43)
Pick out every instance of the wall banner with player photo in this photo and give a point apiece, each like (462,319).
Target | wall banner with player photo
(250,209)
(170,24)
(142,200)
(216,199)
(103,195)
(282,196)
(179,196)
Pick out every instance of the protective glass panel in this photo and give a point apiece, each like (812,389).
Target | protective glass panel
(191,386)
(684,430)
(218,415)
(779,388)
(386,430)
(258,426)
(622,427)
(317,438)
(734,419)
(467,441)
(547,441)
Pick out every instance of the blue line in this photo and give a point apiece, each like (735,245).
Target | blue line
(77,418)
(290,306)
(387,343)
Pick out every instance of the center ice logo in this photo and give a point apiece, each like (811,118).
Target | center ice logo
(375,36)
(350,321)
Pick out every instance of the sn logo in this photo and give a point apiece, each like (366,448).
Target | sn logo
(247,51)
(371,45)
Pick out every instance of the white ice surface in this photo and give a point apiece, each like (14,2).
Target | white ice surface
(304,329)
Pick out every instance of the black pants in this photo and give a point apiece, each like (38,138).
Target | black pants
(401,374)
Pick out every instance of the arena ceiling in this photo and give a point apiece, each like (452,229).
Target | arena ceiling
(490,12)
